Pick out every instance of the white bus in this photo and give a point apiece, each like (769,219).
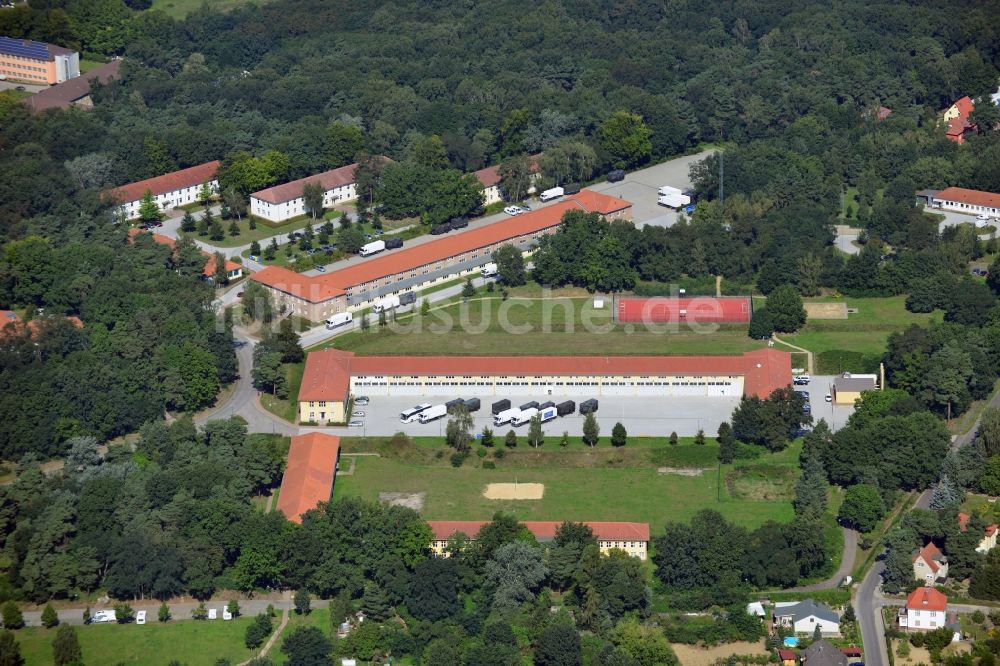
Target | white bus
(412,414)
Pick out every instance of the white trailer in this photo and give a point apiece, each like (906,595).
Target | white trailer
(372,248)
(524,417)
(553,193)
(677,200)
(387,303)
(506,416)
(339,319)
(433,413)
(549,413)
(488,270)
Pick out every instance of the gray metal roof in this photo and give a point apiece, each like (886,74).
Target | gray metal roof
(822,653)
(808,608)
(854,384)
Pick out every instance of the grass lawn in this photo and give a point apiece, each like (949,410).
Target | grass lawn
(580,483)
(87,65)
(187,641)
(319,618)
(286,409)
(181,8)
(855,343)
(850,204)
(557,326)
(248,235)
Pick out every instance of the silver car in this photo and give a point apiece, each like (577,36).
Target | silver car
(356,424)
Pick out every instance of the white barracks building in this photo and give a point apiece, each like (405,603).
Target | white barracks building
(169,190)
(283,202)
(633,538)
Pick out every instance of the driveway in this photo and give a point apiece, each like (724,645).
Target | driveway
(847,238)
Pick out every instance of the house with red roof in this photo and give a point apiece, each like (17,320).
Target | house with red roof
(234,271)
(358,286)
(930,565)
(331,375)
(309,474)
(285,201)
(489,178)
(956,118)
(970,202)
(633,538)
(925,610)
(170,190)
(989,540)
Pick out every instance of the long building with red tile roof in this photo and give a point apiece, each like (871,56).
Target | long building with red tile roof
(285,201)
(170,190)
(234,270)
(309,474)
(331,375)
(354,287)
(973,202)
(633,538)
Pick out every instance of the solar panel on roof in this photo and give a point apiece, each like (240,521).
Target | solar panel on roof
(27,49)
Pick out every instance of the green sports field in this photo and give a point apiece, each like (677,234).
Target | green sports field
(580,484)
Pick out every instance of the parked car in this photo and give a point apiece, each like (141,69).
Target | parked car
(239,294)
(807,408)
(801,432)
(358,414)
(103,617)
(321,269)
(616,175)
(356,424)
(829,398)
(361,400)
(801,380)
(804,394)
(525,206)
(513,210)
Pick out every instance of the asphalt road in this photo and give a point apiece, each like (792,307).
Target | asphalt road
(846,566)
(869,612)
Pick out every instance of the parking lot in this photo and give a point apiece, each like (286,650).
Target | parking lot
(835,415)
(640,187)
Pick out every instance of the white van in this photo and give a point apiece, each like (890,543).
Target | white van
(140,617)
(339,319)
(489,270)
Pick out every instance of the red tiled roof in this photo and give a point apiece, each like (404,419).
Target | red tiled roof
(326,375)
(333,284)
(327,372)
(926,598)
(287,191)
(544,530)
(787,655)
(209,269)
(62,95)
(11,318)
(963,522)
(168,182)
(930,554)
(973,197)
(698,309)
(884,112)
(851,651)
(309,475)
(490,176)
(965,106)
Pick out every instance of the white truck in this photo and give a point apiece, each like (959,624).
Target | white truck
(387,303)
(372,248)
(411,415)
(524,416)
(488,270)
(552,193)
(433,413)
(549,413)
(339,319)
(506,416)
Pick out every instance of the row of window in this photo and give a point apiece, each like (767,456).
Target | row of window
(959,204)
(431,382)
(11,66)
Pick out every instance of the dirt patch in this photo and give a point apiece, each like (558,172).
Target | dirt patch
(680,471)
(514,491)
(916,655)
(826,310)
(762,483)
(413,501)
(691,655)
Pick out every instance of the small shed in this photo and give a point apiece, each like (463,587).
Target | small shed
(847,388)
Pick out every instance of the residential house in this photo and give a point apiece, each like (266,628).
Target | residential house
(234,271)
(804,616)
(822,653)
(170,190)
(989,540)
(971,202)
(633,538)
(37,62)
(283,202)
(957,119)
(490,180)
(930,565)
(847,388)
(74,92)
(788,657)
(925,610)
